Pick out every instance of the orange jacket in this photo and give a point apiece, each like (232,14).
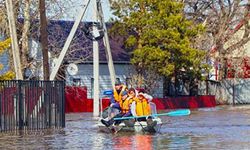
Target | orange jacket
(118,97)
(125,105)
(142,107)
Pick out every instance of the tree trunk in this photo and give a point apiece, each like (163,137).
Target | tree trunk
(44,38)
(25,35)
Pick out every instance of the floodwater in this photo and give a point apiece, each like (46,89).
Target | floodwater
(223,127)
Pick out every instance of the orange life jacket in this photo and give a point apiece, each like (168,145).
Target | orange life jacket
(118,97)
(142,107)
(125,105)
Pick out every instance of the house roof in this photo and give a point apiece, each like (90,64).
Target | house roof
(81,47)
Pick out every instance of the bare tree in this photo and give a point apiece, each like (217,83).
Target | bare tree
(149,81)
(27,12)
(222,20)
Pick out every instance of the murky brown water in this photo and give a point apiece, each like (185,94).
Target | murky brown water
(224,127)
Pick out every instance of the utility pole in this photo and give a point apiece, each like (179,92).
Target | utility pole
(95,65)
(44,39)
(106,44)
(14,41)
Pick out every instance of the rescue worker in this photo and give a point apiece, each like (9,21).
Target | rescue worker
(141,107)
(149,98)
(124,104)
(117,94)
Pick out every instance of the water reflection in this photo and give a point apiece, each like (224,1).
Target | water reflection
(224,128)
(133,141)
(126,141)
(144,142)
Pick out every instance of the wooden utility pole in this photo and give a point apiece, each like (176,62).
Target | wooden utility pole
(44,39)
(14,41)
(96,104)
(106,44)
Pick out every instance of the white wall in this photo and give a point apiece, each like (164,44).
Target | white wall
(85,74)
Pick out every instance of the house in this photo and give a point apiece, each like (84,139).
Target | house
(80,53)
(238,61)
(234,89)
(121,59)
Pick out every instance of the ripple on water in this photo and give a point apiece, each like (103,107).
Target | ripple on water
(213,128)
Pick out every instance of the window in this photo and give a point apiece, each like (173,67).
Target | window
(76,81)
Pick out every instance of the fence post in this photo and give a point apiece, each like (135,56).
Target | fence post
(233,92)
(20,99)
(63,103)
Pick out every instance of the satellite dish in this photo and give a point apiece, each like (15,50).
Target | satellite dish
(72,69)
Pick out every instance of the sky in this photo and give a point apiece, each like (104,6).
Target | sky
(74,7)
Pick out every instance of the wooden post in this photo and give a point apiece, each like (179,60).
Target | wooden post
(44,39)
(14,41)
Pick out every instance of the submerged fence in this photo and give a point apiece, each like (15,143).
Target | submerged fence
(231,91)
(31,105)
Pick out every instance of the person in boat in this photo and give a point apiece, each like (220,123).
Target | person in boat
(114,106)
(124,105)
(117,95)
(141,107)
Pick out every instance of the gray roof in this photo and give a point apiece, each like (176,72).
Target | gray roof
(81,46)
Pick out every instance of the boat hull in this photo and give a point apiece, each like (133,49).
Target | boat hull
(138,127)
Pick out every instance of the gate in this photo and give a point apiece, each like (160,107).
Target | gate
(31,105)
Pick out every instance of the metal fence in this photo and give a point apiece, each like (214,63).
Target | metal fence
(31,105)
(233,91)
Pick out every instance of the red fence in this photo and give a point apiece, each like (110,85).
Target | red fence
(76,101)
(185,102)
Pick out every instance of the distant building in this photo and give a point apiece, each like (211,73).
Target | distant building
(238,61)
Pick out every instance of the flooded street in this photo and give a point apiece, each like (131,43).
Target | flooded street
(224,127)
